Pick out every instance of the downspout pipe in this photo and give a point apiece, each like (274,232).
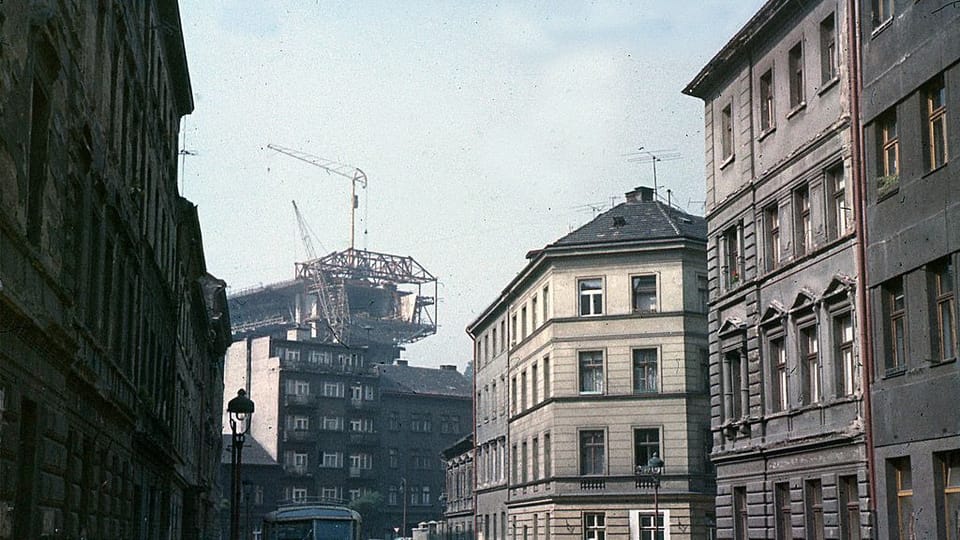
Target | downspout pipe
(865,327)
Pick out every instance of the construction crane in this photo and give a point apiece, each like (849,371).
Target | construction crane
(355,175)
(331,297)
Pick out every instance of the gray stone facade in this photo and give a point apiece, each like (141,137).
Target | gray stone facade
(111,331)
(911,78)
(786,372)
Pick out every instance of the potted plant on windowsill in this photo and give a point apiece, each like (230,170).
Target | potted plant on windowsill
(887,184)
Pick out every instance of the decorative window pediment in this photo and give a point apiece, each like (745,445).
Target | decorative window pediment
(805,300)
(840,285)
(774,314)
(731,327)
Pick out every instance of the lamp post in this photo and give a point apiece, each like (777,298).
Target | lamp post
(240,409)
(649,476)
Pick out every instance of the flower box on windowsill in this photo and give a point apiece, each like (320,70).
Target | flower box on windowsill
(887,185)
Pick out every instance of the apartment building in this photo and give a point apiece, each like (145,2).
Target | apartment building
(787,386)
(458,502)
(911,139)
(605,367)
(112,332)
(491,416)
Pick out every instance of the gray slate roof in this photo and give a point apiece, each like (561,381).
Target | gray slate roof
(638,220)
(253,452)
(426,381)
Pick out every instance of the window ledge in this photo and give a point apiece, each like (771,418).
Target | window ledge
(894,372)
(935,363)
(764,134)
(936,169)
(729,159)
(796,110)
(827,85)
(881,27)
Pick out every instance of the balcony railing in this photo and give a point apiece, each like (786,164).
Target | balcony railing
(300,435)
(588,484)
(297,470)
(363,404)
(357,472)
(297,399)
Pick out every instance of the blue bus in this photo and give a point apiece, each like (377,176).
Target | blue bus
(303,520)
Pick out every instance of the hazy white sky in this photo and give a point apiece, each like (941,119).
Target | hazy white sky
(485,129)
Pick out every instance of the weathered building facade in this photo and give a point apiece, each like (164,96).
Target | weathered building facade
(458,503)
(789,429)
(111,331)
(911,97)
(490,416)
(606,368)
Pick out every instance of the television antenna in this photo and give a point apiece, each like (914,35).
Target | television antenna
(642,155)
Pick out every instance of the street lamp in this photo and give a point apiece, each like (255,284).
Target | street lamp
(240,409)
(649,476)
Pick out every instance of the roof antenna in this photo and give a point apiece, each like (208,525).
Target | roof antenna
(652,157)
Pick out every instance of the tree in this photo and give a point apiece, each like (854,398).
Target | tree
(368,505)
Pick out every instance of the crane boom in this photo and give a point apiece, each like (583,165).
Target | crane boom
(355,175)
(331,298)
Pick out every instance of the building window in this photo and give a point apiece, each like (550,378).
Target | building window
(644,294)
(766,101)
(740,514)
(771,218)
(332,460)
(535,458)
(513,395)
(849,508)
(592,452)
(299,494)
(425,495)
(493,341)
(523,390)
(935,112)
(903,482)
(644,371)
(651,527)
(332,389)
(547,463)
(846,362)
(735,386)
(888,153)
(37,171)
(594,526)
(836,193)
(951,493)
(533,313)
(591,372)
(546,377)
(523,322)
(778,367)
(795,64)
(513,329)
(534,385)
(394,458)
(301,423)
(894,309)
(591,296)
(946,325)
(420,423)
(782,511)
(880,12)
(546,302)
(730,247)
(726,133)
(814,510)
(828,49)
(812,373)
(803,228)
(646,443)
(513,463)
(703,294)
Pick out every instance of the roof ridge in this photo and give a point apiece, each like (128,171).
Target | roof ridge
(669,219)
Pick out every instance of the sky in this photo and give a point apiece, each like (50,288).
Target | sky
(485,129)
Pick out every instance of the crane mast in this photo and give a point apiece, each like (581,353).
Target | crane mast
(355,175)
(332,298)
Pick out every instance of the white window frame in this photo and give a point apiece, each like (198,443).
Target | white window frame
(634,519)
(591,295)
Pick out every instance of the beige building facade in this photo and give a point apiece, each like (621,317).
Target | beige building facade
(606,366)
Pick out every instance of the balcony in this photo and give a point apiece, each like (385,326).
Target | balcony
(297,470)
(299,435)
(592,484)
(357,472)
(364,438)
(297,399)
(364,405)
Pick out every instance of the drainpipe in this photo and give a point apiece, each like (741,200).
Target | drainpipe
(865,326)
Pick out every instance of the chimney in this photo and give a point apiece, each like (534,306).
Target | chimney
(299,333)
(448,368)
(642,194)
(401,362)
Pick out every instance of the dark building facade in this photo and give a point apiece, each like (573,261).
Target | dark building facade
(424,411)
(787,385)
(259,472)
(910,105)
(111,330)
